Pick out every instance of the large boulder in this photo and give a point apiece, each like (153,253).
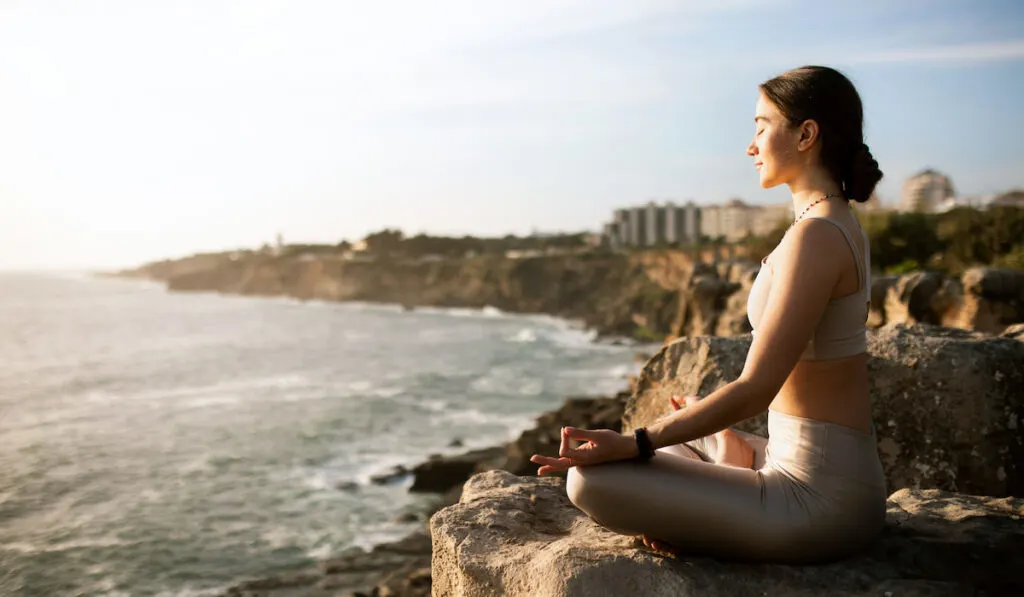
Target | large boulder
(984,299)
(918,297)
(991,300)
(520,536)
(948,404)
(880,286)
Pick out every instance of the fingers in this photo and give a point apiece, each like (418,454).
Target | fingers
(564,447)
(679,402)
(571,433)
(550,465)
(582,434)
(548,460)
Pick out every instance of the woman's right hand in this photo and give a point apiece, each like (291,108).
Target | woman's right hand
(679,402)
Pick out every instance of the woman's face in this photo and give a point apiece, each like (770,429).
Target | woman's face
(774,147)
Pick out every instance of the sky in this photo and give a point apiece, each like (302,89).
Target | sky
(132,131)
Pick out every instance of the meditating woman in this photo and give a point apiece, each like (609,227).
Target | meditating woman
(814,490)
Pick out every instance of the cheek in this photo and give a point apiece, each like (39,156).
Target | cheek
(776,149)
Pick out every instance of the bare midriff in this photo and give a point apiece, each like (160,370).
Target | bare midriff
(834,390)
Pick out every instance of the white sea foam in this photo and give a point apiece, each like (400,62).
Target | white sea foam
(202,464)
(513,423)
(525,335)
(81,543)
(321,552)
(360,386)
(371,537)
(388,392)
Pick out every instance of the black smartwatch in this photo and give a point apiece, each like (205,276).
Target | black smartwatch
(643,443)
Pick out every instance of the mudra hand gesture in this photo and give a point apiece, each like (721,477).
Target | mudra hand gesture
(600,445)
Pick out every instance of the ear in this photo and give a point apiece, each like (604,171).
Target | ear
(808,135)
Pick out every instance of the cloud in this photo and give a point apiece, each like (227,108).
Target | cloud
(948,54)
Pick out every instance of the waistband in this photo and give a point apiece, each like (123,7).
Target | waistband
(808,447)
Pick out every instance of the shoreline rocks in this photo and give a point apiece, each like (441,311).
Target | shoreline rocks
(402,568)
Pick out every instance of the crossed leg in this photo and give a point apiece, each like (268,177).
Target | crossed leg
(728,447)
(678,502)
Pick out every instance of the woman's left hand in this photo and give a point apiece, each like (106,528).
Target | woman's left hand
(600,445)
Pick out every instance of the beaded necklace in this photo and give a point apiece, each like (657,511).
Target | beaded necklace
(813,203)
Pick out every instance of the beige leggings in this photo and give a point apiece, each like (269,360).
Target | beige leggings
(816,493)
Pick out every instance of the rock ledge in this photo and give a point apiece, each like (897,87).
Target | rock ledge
(520,536)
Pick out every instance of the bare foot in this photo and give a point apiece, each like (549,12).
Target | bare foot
(659,547)
(732,449)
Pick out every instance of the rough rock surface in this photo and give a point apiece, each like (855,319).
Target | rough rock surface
(992,298)
(520,536)
(948,404)
(985,299)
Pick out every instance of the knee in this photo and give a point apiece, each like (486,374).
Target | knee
(583,487)
(574,485)
(593,490)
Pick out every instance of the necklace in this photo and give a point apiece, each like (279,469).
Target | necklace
(813,203)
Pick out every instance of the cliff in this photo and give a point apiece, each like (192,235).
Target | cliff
(628,295)
(651,295)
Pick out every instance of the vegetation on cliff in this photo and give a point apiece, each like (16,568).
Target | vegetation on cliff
(948,242)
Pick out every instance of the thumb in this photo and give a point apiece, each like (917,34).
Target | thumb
(582,434)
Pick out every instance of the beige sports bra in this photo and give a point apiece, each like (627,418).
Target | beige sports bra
(842,330)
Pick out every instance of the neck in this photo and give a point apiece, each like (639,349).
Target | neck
(811,187)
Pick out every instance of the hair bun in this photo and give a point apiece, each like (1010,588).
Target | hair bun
(863,176)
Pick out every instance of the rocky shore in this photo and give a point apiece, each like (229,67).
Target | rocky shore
(649,295)
(949,410)
(402,568)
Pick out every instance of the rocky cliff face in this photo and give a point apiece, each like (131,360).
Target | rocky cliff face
(652,295)
(615,294)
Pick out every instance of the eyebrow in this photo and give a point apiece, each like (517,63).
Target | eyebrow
(764,118)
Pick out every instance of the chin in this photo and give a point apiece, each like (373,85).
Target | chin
(769,179)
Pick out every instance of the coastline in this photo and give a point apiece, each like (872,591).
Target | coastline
(402,568)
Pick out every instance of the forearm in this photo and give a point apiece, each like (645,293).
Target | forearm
(730,404)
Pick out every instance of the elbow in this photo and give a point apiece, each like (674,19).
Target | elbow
(757,394)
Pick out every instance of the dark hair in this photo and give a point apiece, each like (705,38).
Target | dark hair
(827,97)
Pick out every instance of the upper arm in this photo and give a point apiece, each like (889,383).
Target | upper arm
(805,270)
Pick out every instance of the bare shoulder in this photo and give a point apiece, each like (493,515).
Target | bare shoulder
(812,243)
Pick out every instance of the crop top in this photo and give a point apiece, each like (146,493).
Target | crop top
(842,330)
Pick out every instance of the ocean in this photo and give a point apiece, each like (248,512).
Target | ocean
(154,443)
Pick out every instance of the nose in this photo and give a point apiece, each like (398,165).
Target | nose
(752,149)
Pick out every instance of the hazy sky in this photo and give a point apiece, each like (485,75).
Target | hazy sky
(132,130)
